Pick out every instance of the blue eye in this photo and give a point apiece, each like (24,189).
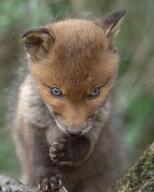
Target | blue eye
(95,92)
(56,92)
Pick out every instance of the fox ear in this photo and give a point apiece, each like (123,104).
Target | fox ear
(111,23)
(38,42)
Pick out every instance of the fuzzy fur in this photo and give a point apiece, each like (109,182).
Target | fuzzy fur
(78,56)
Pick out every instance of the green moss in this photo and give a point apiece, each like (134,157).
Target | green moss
(141,176)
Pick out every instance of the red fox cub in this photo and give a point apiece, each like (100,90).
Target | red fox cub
(63,117)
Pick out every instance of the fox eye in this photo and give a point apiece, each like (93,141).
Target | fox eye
(56,91)
(94,92)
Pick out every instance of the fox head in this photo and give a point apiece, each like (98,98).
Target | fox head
(74,64)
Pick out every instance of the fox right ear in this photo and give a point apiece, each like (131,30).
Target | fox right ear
(111,23)
(38,42)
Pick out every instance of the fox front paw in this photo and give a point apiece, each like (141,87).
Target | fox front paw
(69,150)
(50,184)
(57,151)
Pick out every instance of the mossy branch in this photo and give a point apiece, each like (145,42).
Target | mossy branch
(139,178)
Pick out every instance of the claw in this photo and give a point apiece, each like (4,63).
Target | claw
(46,188)
(64,189)
(52,185)
(52,155)
(53,149)
(39,186)
(55,144)
(60,182)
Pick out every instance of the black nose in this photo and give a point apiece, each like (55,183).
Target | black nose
(74,132)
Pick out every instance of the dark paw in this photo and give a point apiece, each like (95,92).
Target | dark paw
(50,184)
(58,151)
(69,149)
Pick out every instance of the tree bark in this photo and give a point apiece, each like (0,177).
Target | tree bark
(139,178)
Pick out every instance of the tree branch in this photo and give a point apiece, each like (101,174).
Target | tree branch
(139,178)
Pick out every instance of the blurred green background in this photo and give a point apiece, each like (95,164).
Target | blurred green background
(134,93)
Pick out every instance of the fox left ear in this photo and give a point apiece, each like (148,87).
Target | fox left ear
(111,23)
(38,42)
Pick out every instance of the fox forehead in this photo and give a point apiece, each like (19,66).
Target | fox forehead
(80,55)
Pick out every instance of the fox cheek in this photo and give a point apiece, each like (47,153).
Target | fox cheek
(61,126)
